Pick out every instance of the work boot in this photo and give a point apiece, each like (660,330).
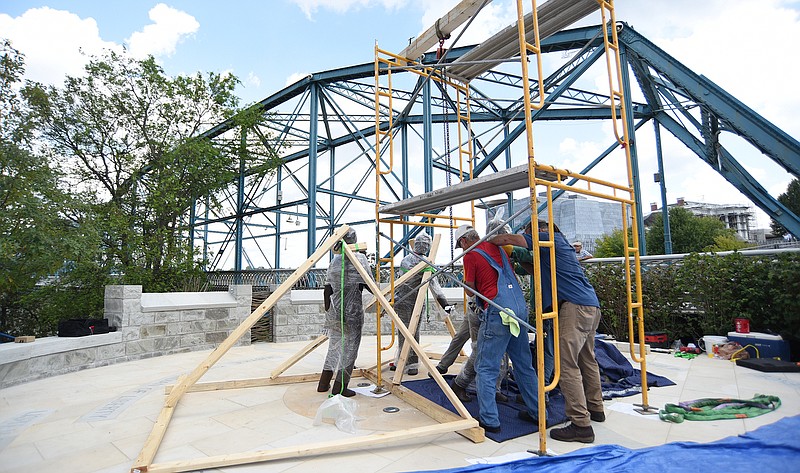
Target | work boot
(461,393)
(413,371)
(489,428)
(340,386)
(325,381)
(500,397)
(573,433)
(597,416)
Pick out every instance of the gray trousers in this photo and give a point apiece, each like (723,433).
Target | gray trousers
(461,337)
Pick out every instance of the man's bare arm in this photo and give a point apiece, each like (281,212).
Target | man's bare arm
(471,290)
(509,239)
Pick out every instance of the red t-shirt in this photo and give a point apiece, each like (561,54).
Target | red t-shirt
(479,272)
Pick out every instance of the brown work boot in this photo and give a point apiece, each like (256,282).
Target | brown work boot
(573,433)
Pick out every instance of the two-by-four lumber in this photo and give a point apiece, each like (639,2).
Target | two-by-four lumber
(341,445)
(153,441)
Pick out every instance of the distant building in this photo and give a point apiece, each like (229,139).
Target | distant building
(579,218)
(738,217)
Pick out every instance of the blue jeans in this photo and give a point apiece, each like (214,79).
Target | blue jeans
(495,339)
(549,351)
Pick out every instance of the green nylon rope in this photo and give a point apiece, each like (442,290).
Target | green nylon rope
(719,408)
(341,321)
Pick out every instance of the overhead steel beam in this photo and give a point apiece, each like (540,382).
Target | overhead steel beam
(443,27)
(734,173)
(765,136)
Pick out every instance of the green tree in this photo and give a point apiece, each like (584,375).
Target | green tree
(42,226)
(690,233)
(791,199)
(611,244)
(126,132)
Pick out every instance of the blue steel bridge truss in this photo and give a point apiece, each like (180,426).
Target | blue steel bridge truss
(324,126)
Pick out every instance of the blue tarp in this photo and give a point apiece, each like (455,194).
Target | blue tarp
(618,376)
(772,448)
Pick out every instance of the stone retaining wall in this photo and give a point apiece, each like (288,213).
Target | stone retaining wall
(300,315)
(148,325)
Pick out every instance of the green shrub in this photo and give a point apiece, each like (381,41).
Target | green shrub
(704,293)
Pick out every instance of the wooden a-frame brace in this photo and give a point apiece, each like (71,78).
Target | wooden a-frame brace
(463,423)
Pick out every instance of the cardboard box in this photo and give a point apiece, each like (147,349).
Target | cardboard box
(769,346)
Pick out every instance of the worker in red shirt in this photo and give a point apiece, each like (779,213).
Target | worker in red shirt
(487,271)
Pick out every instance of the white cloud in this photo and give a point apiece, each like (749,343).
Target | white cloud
(309,7)
(294,77)
(169,27)
(252,79)
(55,42)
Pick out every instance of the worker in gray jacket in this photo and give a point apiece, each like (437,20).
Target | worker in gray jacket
(344,319)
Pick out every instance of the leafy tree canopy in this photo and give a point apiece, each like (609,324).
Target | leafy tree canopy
(690,233)
(791,199)
(126,132)
(42,226)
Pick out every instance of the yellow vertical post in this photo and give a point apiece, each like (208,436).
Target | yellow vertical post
(633,278)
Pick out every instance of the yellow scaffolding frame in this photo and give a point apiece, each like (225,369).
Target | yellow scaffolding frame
(627,201)
(386,62)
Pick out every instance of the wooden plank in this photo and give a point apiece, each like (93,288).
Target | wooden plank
(24,339)
(157,434)
(154,440)
(247,383)
(409,338)
(438,356)
(319,448)
(447,24)
(419,303)
(258,313)
(299,355)
(428,407)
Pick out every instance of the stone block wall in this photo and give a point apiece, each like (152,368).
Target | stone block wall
(181,323)
(300,315)
(148,325)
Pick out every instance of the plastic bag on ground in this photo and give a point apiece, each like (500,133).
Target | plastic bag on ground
(342,410)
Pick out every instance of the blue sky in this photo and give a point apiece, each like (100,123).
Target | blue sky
(746,47)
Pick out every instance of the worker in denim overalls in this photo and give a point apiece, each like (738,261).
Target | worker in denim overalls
(488,272)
